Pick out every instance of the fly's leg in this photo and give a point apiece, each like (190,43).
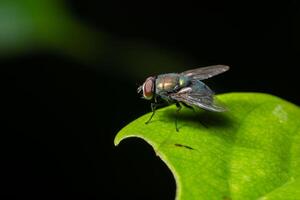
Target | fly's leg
(153,108)
(176,117)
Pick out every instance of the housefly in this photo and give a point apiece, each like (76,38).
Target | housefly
(184,88)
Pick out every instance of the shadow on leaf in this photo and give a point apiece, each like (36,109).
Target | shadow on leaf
(204,118)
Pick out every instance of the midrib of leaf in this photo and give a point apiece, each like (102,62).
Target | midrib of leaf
(286,157)
(291,178)
(233,143)
(229,146)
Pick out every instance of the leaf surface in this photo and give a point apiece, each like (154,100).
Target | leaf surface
(250,152)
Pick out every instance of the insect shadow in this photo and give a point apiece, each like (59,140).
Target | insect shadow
(204,118)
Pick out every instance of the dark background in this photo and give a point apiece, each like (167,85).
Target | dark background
(61,111)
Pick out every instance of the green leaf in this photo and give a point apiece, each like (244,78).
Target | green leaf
(250,152)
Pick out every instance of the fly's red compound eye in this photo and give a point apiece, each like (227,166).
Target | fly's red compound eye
(148,88)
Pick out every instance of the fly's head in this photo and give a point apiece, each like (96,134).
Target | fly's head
(148,88)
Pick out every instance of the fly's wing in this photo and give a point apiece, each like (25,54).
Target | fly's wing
(203,99)
(205,72)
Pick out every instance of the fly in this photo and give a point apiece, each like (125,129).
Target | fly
(184,88)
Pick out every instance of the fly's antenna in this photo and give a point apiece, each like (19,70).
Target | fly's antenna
(139,89)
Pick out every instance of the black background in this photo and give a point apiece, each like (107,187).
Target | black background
(60,117)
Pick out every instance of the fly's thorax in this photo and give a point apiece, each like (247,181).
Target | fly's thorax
(166,82)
